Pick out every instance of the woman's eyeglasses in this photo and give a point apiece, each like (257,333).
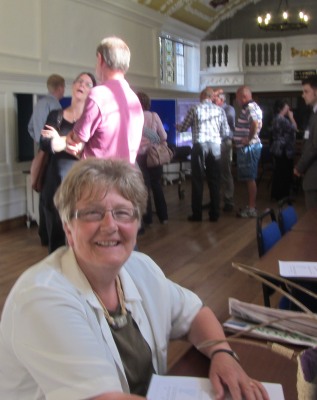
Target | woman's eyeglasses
(88,85)
(118,214)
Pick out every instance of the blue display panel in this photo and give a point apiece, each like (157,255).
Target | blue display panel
(166,109)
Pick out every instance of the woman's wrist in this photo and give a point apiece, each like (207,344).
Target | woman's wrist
(232,353)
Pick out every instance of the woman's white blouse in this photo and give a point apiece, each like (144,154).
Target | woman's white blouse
(55,342)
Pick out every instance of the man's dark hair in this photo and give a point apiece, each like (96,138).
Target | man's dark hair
(310,80)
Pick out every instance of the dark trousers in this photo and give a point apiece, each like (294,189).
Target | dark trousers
(204,163)
(55,231)
(282,177)
(42,230)
(152,179)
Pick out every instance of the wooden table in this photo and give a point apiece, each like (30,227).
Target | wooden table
(260,363)
(307,223)
(296,245)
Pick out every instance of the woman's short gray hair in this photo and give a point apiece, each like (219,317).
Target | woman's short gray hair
(93,178)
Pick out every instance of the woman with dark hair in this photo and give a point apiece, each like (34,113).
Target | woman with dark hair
(284,129)
(60,162)
(153,132)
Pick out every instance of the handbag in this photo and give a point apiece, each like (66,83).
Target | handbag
(158,154)
(38,170)
(40,162)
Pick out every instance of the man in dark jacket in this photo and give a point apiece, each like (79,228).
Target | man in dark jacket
(307,165)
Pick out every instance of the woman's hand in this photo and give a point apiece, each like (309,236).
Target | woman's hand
(296,172)
(225,371)
(49,132)
(58,143)
(73,146)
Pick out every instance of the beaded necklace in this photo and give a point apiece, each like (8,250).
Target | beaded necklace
(118,321)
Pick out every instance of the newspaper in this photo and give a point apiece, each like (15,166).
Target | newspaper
(280,325)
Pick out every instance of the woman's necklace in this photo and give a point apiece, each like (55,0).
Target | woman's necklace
(74,116)
(118,321)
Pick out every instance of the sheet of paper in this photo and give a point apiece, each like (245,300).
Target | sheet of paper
(190,388)
(300,269)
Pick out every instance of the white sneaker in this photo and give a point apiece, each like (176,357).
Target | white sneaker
(247,213)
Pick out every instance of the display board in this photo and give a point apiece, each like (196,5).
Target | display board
(166,109)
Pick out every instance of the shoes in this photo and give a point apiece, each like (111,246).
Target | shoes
(213,219)
(191,218)
(247,213)
(227,207)
(164,222)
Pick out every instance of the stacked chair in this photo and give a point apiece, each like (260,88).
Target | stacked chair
(268,233)
(287,216)
(269,230)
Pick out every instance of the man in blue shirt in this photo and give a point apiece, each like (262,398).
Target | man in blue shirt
(46,104)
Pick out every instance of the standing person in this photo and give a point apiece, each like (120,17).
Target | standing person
(112,121)
(209,125)
(93,320)
(248,144)
(56,88)
(60,162)
(226,153)
(282,148)
(307,165)
(153,132)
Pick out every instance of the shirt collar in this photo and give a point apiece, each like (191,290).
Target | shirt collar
(245,105)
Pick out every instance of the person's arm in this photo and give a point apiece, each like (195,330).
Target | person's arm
(224,127)
(291,118)
(50,139)
(309,151)
(160,128)
(224,370)
(187,122)
(255,126)
(58,143)
(74,145)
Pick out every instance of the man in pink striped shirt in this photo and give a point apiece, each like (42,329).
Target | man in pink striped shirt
(112,121)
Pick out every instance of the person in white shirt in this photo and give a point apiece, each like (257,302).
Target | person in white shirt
(93,320)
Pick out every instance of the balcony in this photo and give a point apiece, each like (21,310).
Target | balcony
(275,64)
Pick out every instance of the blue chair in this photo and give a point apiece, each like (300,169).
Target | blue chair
(287,216)
(268,233)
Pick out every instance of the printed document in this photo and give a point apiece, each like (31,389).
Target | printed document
(298,269)
(190,388)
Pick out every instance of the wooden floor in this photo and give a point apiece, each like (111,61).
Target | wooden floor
(196,255)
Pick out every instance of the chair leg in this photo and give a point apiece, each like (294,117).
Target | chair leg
(266,295)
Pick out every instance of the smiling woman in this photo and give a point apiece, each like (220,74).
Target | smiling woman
(98,312)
